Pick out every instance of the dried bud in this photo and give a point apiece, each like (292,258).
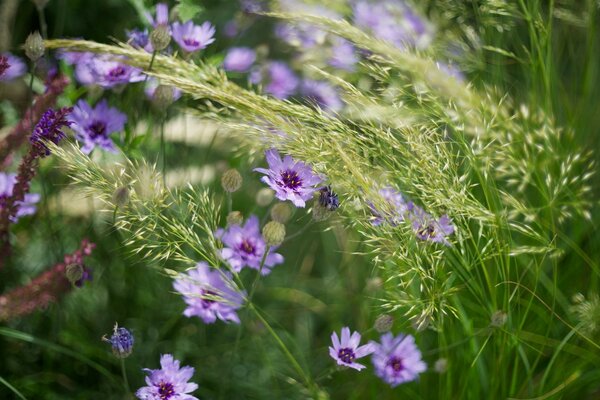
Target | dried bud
(121,196)
(273,233)
(74,273)
(34,46)
(163,96)
(235,218)
(231,181)
(498,318)
(160,37)
(384,323)
(264,197)
(281,212)
(121,341)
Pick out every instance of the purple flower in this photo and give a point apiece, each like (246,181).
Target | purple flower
(162,15)
(25,207)
(291,180)
(395,209)
(252,6)
(245,247)
(93,126)
(209,294)
(322,94)
(347,350)
(83,65)
(139,39)
(239,59)
(302,34)
(109,73)
(121,342)
(397,359)
(281,81)
(50,128)
(451,70)
(428,228)
(168,383)
(343,55)
(192,37)
(4,65)
(16,67)
(328,198)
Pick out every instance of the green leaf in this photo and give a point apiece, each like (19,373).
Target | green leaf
(188,9)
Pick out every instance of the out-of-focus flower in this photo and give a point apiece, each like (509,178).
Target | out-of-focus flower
(50,128)
(209,294)
(428,228)
(328,198)
(139,39)
(281,82)
(245,247)
(16,67)
(397,359)
(4,65)
(168,383)
(239,59)
(346,350)
(82,61)
(108,72)
(322,94)
(343,55)
(191,37)
(162,15)
(25,207)
(93,126)
(231,181)
(252,6)
(292,180)
(303,35)
(121,342)
(395,209)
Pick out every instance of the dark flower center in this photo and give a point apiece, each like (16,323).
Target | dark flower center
(427,231)
(191,42)
(396,364)
(290,179)
(165,390)
(207,298)
(117,72)
(97,129)
(346,355)
(247,247)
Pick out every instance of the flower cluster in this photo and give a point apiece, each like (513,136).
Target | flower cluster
(170,382)
(209,294)
(49,128)
(121,342)
(93,126)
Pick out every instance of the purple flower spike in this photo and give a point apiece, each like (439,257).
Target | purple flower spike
(397,359)
(15,67)
(245,247)
(396,209)
(191,37)
(168,383)
(322,94)
(291,180)
(50,128)
(428,228)
(25,207)
(93,126)
(209,294)
(347,350)
(239,59)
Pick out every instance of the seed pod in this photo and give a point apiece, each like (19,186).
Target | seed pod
(231,181)
(235,218)
(74,273)
(34,46)
(160,37)
(281,212)
(273,233)
(384,323)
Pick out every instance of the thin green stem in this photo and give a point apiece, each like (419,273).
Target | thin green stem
(43,24)
(125,380)
(255,283)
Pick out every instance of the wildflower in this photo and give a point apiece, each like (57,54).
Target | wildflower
(25,207)
(34,46)
(322,94)
(139,39)
(395,210)
(162,15)
(239,59)
(50,128)
(343,55)
(209,294)
(16,67)
(93,126)
(328,198)
(108,72)
(83,63)
(160,37)
(303,35)
(291,180)
(281,81)
(168,383)
(397,359)
(347,350)
(231,181)
(428,228)
(121,341)
(245,247)
(273,233)
(192,37)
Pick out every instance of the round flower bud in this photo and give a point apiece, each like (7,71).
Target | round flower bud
(281,212)
(235,218)
(74,273)
(121,342)
(121,196)
(34,46)
(498,318)
(231,180)
(441,366)
(264,197)
(384,323)
(273,233)
(160,37)
(163,96)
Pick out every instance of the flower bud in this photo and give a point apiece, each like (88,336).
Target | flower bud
(441,366)
(163,96)
(264,197)
(121,342)
(34,46)
(498,318)
(235,218)
(273,233)
(384,323)
(74,273)
(121,196)
(281,212)
(231,180)
(160,37)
